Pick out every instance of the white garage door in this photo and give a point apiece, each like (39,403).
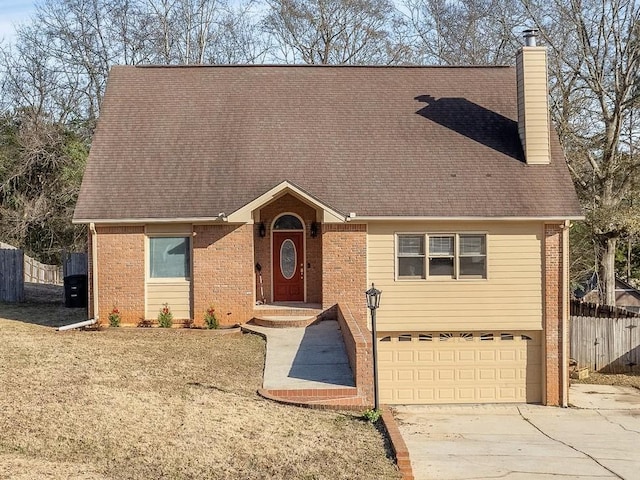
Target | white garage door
(459,367)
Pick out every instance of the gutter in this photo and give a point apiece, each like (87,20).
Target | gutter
(94,270)
(565,313)
(353,217)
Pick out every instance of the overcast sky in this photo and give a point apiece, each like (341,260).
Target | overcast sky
(11,13)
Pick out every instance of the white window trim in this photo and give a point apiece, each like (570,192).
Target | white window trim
(456,257)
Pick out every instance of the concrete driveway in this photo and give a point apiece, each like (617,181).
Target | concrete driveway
(598,438)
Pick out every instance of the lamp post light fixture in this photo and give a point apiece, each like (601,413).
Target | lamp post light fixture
(373,302)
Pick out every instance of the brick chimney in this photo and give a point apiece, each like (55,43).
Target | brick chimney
(533,101)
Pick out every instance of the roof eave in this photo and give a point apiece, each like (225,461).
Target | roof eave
(555,218)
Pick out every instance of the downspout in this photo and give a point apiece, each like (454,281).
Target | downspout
(565,313)
(94,269)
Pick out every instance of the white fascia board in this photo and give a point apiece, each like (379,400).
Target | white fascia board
(245,213)
(145,221)
(477,219)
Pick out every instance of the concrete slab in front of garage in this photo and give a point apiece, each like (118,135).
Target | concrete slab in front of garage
(598,441)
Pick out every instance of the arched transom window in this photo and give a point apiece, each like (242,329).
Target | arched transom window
(288,222)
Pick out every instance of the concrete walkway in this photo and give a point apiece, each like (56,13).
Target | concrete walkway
(305,358)
(596,439)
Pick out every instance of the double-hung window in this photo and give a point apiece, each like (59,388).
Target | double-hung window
(454,256)
(411,256)
(472,260)
(442,256)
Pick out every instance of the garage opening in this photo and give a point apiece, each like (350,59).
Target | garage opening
(460,367)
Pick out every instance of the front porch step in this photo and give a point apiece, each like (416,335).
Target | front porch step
(283,315)
(317,398)
(284,321)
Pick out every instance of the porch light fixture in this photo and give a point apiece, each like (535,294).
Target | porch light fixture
(262,230)
(315,228)
(373,302)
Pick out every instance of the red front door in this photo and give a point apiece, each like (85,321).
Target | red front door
(288,267)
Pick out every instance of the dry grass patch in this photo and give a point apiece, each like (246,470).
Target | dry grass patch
(617,379)
(150,403)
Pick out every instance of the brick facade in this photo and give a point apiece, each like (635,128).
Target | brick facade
(223,272)
(121,274)
(554,363)
(313,246)
(344,266)
(344,281)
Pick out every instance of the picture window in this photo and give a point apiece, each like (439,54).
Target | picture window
(169,257)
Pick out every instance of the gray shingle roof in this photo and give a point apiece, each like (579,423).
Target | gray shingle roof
(190,142)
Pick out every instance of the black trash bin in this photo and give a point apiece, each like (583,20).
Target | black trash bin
(75,291)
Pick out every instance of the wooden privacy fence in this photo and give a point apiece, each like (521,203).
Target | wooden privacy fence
(610,345)
(585,309)
(36,272)
(11,275)
(74,264)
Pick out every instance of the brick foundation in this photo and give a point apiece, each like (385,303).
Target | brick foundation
(553,303)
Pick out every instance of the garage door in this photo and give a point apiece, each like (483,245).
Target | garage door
(459,367)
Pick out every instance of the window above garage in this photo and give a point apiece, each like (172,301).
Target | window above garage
(454,256)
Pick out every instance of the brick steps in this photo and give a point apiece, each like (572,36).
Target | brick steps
(317,398)
(284,321)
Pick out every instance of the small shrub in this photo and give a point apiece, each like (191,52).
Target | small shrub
(114,317)
(165,317)
(144,323)
(210,319)
(188,323)
(371,415)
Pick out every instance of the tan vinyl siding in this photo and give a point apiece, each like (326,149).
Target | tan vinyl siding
(510,297)
(175,293)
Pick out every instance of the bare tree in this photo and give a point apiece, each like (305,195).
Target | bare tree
(595,62)
(331,31)
(52,80)
(474,32)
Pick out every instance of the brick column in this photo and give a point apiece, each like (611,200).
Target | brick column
(554,363)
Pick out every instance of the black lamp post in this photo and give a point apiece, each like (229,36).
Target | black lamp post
(373,302)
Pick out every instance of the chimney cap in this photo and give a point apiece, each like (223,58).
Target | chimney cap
(530,36)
